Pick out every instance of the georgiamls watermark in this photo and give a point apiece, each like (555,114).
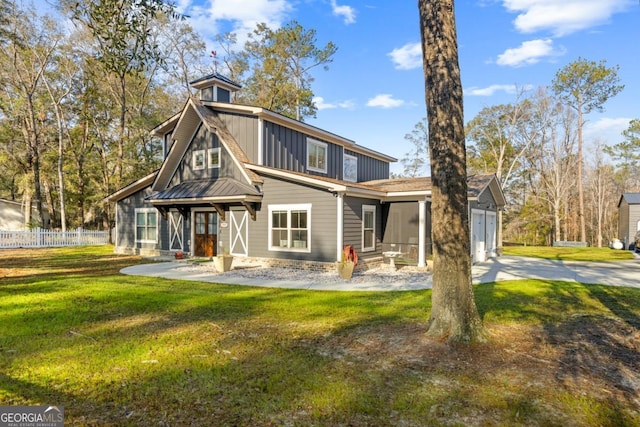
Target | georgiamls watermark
(32,416)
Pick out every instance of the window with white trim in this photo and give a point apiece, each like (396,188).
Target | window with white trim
(350,168)
(290,228)
(213,157)
(316,156)
(198,160)
(146,225)
(368,228)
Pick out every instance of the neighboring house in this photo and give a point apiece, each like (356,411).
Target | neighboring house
(628,217)
(247,181)
(17,216)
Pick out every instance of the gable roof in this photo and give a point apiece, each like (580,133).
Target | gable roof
(186,126)
(631,198)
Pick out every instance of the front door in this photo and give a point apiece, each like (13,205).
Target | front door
(206,233)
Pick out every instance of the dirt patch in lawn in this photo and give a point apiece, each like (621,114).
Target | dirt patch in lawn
(589,358)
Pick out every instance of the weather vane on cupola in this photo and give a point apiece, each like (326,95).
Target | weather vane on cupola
(214,55)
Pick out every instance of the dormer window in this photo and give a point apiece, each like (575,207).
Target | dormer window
(316,156)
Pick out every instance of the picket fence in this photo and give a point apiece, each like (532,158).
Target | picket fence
(40,238)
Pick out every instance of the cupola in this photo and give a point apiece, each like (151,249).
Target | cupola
(215,87)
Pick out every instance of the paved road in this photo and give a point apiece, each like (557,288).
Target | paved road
(625,273)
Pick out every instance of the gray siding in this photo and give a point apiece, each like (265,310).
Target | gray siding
(285,148)
(204,140)
(323,221)
(126,223)
(369,169)
(629,215)
(245,130)
(353,225)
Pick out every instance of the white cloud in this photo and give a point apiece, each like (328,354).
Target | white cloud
(407,57)
(238,16)
(348,13)
(529,52)
(563,17)
(385,100)
(490,90)
(606,129)
(322,105)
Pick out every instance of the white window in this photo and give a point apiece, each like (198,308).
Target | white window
(290,228)
(213,156)
(316,156)
(146,225)
(368,228)
(350,168)
(198,159)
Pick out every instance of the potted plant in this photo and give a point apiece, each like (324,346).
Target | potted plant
(348,262)
(223,262)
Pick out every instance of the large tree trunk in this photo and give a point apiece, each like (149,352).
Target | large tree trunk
(454,313)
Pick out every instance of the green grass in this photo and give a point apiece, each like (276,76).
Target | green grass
(122,350)
(569,254)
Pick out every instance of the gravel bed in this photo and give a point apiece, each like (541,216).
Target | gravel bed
(255,270)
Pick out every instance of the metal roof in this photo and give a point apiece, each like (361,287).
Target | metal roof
(221,189)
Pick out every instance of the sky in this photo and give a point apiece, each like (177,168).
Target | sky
(373,91)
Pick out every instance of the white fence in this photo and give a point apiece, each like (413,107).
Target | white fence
(40,238)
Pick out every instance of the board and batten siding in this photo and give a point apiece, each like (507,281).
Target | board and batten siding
(369,169)
(323,221)
(352,228)
(244,129)
(203,140)
(284,148)
(126,223)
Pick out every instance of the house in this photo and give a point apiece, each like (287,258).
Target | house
(247,181)
(628,217)
(17,216)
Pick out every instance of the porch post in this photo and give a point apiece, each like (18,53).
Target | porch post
(422,227)
(339,225)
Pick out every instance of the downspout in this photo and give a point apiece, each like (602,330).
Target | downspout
(260,140)
(339,225)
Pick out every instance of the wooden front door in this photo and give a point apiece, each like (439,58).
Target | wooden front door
(206,233)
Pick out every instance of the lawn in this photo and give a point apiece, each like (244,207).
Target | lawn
(118,350)
(569,254)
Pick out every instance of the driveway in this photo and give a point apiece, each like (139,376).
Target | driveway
(626,273)
(622,273)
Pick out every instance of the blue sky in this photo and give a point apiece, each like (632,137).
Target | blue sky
(373,92)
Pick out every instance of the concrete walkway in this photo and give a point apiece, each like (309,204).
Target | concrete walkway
(625,273)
